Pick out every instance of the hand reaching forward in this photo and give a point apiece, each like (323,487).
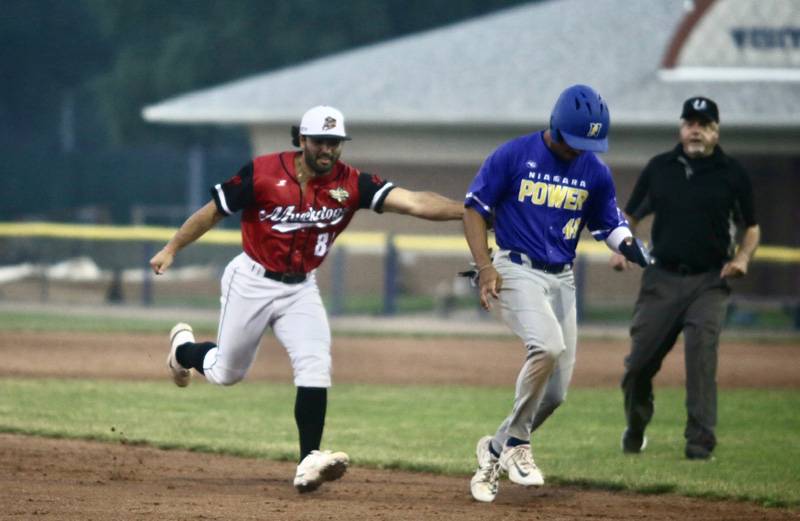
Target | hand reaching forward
(161,261)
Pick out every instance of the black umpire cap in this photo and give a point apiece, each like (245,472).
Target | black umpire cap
(700,107)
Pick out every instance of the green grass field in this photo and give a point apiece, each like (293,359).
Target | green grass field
(431,429)
(22,321)
(415,428)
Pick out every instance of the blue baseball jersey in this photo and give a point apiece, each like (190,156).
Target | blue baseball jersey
(538,203)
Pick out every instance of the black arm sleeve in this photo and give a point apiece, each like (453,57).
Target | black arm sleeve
(635,252)
(372,191)
(236,193)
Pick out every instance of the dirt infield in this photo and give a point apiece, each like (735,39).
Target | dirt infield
(76,480)
(385,360)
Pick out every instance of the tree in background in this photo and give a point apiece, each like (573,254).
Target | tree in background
(166,48)
(48,49)
(77,73)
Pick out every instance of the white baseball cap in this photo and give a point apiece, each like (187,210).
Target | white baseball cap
(323,122)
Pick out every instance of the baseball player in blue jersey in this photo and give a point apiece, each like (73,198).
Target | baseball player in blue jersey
(538,192)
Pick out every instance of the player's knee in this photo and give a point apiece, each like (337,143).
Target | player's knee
(550,352)
(313,371)
(558,349)
(231,379)
(224,377)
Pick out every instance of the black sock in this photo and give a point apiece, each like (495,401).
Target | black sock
(513,442)
(491,449)
(191,354)
(309,414)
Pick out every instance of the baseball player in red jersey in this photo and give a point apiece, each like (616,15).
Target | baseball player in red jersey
(294,205)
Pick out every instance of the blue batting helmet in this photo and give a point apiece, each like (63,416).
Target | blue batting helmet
(580,117)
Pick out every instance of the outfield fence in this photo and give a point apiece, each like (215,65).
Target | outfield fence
(373,272)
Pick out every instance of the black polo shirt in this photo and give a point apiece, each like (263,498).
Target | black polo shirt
(696,203)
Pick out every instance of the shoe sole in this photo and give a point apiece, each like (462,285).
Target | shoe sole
(332,472)
(482,499)
(537,483)
(308,487)
(181,380)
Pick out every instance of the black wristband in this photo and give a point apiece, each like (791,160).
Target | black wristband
(635,251)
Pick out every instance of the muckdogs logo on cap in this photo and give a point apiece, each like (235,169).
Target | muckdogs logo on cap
(324,122)
(329,123)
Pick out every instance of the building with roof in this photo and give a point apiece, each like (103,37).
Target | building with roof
(425,109)
(500,74)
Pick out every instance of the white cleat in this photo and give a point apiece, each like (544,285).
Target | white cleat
(518,462)
(179,335)
(484,483)
(319,467)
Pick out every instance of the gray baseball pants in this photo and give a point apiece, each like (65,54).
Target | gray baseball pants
(539,308)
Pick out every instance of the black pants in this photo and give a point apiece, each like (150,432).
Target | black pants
(668,304)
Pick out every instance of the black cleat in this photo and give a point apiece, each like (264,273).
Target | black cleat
(633,442)
(697,452)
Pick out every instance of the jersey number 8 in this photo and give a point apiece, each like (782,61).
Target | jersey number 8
(322,244)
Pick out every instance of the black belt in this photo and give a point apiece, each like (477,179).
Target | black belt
(679,268)
(286,278)
(516,258)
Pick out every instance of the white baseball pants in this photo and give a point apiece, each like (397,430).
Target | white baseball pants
(249,304)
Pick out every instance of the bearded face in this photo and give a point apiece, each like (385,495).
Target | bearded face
(699,137)
(321,154)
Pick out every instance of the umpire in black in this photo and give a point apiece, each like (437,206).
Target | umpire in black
(697,194)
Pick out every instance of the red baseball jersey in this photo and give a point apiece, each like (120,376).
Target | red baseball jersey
(288,229)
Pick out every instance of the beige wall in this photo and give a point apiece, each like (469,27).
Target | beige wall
(775,177)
